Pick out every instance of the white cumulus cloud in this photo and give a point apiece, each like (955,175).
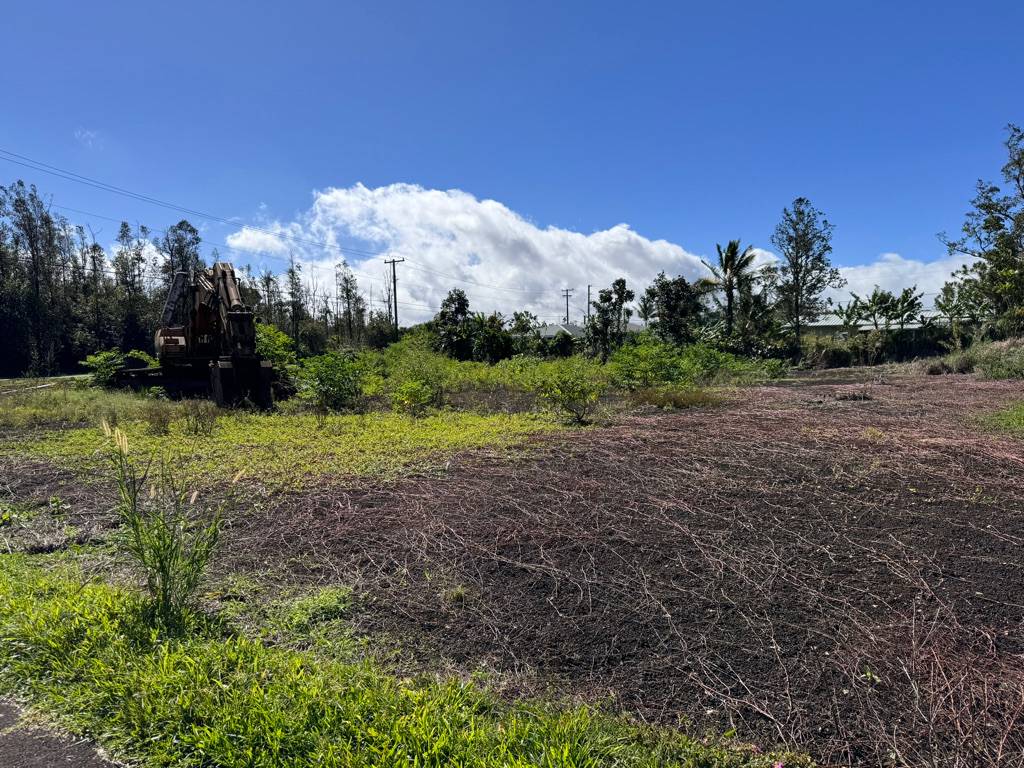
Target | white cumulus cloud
(504,262)
(894,272)
(452,239)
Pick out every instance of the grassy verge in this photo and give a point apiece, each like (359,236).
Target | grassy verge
(285,450)
(79,651)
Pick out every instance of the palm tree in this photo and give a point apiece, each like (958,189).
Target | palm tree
(645,309)
(733,268)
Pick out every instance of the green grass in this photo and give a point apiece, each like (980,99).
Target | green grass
(1007,420)
(287,449)
(78,651)
(67,401)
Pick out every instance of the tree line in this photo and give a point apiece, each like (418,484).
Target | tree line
(62,297)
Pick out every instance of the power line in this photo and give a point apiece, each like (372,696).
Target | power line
(37,165)
(53,170)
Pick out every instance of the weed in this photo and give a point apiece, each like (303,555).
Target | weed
(326,605)
(199,417)
(672,397)
(158,415)
(287,449)
(413,397)
(162,534)
(874,435)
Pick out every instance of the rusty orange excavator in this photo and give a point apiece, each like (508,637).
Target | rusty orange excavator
(206,343)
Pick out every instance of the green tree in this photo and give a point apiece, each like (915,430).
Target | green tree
(607,326)
(676,308)
(352,314)
(733,268)
(491,340)
(993,235)
(877,308)
(906,307)
(180,249)
(380,329)
(645,309)
(453,326)
(851,315)
(804,240)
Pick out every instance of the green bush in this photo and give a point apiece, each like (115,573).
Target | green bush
(648,362)
(413,397)
(105,365)
(333,381)
(645,364)
(279,348)
(572,387)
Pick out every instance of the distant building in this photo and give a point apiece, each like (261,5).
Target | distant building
(550,330)
(831,325)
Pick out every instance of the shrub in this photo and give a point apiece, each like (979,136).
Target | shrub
(332,381)
(828,353)
(672,397)
(645,364)
(649,362)
(136,358)
(161,534)
(413,397)
(1000,359)
(104,366)
(572,387)
(279,348)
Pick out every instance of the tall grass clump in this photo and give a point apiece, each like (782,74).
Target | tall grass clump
(161,535)
(199,417)
(992,359)
(1000,359)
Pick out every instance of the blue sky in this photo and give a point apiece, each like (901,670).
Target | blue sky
(692,123)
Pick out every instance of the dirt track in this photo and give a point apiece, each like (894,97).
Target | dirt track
(34,748)
(821,565)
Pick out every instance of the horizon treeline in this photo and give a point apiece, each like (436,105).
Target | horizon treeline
(63,297)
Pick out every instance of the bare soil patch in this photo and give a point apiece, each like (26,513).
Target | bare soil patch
(34,747)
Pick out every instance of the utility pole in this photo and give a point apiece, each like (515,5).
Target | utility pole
(339,271)
(588,303)
(567,292)
(394,286)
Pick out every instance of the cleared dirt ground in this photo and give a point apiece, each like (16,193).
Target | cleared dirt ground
(832,565)
(837,567)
